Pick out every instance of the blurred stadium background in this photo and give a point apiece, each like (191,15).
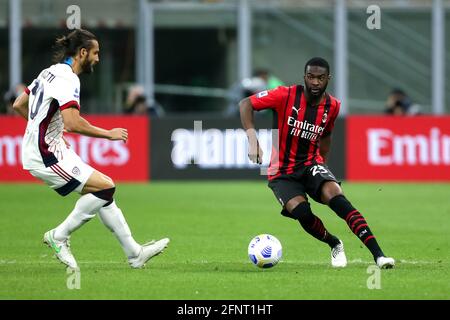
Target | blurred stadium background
(202,48)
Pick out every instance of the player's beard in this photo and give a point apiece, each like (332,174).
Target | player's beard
(87,67)
(318,93)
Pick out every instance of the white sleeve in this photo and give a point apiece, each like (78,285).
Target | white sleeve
(67,92)
(30,87)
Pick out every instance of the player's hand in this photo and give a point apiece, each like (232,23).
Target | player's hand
(255,152)
(119,134)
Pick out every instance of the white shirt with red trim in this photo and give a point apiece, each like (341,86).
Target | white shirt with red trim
(55,89)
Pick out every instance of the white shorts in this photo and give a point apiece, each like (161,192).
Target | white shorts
(67,175)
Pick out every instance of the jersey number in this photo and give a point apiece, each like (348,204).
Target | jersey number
(38,92)
(318,169)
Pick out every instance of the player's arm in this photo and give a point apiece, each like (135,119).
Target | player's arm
(325,139)
(246,110)
(325,146)
(20,105)
(73,122)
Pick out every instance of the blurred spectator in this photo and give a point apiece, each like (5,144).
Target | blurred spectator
(399,104)
(271,81)
(137,103)
(262,80)
(10,96)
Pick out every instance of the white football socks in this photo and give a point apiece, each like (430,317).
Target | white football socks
(112,217)
(84,210)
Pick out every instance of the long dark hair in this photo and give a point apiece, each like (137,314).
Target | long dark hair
(68,46)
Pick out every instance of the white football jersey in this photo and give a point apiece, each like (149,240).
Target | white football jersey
(55,89)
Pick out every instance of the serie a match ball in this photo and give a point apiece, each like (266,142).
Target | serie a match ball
(265,251)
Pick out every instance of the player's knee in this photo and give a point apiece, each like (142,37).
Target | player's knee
(294,202)
(110,185)
(330,190)
(105,194)
(302,211)
(108,182)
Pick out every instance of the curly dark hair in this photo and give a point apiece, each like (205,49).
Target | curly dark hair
(318,62)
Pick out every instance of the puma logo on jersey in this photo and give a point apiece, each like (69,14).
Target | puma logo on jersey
(296,110)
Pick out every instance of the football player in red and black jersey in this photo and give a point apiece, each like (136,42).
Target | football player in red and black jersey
(305,117)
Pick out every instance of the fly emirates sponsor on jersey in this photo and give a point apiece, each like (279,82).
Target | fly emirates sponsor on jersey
(304,129)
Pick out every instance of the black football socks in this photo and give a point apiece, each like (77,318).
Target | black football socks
(357,223)
(313,225)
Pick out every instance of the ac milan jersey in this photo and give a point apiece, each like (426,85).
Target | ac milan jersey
(300,127)
(55,89)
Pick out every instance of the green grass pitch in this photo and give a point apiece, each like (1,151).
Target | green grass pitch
(210,225)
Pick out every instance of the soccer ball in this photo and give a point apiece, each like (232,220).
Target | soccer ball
(264,251)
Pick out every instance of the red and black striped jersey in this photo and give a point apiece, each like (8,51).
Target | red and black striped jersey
(300,127)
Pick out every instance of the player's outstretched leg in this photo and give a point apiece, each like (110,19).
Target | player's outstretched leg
(85,209)
(112,217)
(314,226)
(360,228)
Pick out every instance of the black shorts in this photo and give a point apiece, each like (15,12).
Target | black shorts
(306,181)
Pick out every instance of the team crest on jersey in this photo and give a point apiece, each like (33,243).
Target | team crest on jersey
(324,118)
(76,171)
(262,94)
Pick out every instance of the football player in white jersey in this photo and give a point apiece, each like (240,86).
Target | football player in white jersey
(51,104)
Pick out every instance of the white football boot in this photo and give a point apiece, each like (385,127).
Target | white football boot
(148,251)
(338,258)
(61,249)
(385,262)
